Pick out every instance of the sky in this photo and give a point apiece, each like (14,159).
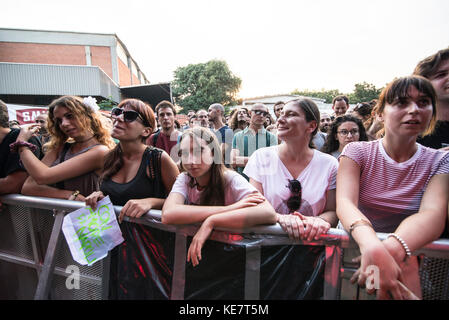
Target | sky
(274,46)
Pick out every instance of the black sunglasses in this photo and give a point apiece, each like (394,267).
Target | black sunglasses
(128,116)
(260,112)
(294,202)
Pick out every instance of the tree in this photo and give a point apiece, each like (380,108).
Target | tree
(197,86)
(364,92)
(107,104)
(328,95)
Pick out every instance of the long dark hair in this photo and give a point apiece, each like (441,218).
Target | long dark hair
(332,143)
(213,194)
(114,159)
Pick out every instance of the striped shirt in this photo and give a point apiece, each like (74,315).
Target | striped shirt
(392,191)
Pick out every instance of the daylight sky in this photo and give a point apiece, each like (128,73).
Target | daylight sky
(274,46)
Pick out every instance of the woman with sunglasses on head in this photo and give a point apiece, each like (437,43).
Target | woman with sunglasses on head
(394,185)
(133,178)
(209,193)
(343,130)
(298,180)
(79,141)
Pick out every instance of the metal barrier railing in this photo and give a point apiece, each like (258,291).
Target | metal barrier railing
(30,232)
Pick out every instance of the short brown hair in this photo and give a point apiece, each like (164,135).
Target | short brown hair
(165,104)
(428,66)
(339,98)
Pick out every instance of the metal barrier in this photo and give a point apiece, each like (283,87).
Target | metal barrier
(34,258)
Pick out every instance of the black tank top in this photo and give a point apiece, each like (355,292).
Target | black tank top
(141,186)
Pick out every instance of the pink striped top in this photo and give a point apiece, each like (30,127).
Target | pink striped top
(391,191)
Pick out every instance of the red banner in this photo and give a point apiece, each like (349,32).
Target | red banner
(25,114)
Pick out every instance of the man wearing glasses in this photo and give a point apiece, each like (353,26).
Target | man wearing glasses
(252,138)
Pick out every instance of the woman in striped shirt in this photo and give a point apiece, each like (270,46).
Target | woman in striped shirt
(395,185)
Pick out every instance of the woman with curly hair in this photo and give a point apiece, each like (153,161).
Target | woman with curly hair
(75,153)
(343,130)
(239,119)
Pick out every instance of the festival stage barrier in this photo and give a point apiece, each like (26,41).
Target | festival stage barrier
(259,263)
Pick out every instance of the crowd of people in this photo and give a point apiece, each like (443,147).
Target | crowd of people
(382,166)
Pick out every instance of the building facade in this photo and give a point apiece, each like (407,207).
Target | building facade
(37,66)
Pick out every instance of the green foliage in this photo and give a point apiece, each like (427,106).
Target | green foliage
(363,92)
(197,86)
(328,95)
(107,104)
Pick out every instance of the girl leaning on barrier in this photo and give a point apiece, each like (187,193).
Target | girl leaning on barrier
(396,186)
(137,177)
(75,153)
(209,193)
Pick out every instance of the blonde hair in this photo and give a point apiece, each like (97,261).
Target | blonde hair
(86,119)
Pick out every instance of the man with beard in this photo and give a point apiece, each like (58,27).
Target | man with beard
(325,122)
(222,131)
(167,137)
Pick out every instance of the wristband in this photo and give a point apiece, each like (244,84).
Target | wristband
(408,253)
(14,147)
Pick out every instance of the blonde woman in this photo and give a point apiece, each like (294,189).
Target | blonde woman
(75,153)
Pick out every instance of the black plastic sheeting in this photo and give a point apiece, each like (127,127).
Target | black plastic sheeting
(142,268)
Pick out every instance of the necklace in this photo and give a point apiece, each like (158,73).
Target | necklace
(85,140)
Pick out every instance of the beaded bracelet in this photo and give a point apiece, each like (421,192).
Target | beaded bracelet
(408,253)
(14,147)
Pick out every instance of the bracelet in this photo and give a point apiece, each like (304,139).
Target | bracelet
(358,223)
(408,253)
(74,195)
(14,147)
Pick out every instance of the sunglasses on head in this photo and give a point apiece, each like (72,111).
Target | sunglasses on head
(260,112)
(294,202)
(128,115)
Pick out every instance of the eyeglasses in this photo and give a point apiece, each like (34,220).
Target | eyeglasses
(294,202)
(128,115)
(346,132)
(260,112)
(40,121)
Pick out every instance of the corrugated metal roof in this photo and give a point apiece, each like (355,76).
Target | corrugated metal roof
(45,79)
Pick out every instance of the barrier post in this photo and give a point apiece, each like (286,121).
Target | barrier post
(46,275)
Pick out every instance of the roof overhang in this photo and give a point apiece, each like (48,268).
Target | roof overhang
(149,93)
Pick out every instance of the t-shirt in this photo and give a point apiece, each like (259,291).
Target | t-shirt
(225,135)
(319,139)
(237,188)
(10,162)
(392,191)
(246,141)
(320,175)
(163,141)
(439,137)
